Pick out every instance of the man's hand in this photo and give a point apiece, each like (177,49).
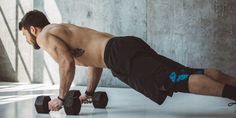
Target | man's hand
(55,105)
(85,99)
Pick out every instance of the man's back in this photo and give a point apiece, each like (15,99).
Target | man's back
(90,43)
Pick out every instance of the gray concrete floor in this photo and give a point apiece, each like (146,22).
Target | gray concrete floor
(17,101)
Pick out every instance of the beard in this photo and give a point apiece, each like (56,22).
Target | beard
(33,41)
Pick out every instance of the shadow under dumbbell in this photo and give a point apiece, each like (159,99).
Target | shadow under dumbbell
(42,116)
(94,113)
(99,112)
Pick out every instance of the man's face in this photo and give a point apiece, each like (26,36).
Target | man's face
(30,38)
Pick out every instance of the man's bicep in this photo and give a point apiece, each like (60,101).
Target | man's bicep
(57,48)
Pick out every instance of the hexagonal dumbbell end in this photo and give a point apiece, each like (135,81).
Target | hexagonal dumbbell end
(41,104)
(100,99)
(72,103)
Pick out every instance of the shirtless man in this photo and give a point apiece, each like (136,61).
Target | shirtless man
(129,58)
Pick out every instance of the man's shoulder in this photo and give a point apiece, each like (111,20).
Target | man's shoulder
(51,27)
(48,31)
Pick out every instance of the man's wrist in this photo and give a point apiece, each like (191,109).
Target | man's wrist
(89,93)
(60,99)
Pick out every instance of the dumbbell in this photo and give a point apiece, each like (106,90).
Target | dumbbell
(99,100)
(72,103)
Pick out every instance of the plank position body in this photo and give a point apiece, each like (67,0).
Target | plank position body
(129,58)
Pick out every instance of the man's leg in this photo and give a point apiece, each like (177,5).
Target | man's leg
(200,84)
(204,85)
(219,76)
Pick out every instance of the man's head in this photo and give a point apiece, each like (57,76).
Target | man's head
(31,24)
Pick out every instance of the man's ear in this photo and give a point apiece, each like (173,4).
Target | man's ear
(33,30)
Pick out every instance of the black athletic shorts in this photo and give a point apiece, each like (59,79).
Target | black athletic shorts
(139,66)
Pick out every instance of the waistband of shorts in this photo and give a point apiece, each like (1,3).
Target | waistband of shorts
(107,52)
(108,49)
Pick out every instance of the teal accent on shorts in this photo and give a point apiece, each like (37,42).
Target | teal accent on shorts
(178,78)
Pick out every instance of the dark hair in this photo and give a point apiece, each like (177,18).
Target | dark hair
(33,18)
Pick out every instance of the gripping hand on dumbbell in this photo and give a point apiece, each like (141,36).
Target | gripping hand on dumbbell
(85,99)
(55,104)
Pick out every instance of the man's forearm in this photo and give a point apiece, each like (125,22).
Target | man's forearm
(67,73)
(94,75)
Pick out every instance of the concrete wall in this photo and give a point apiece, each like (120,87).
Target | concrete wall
(15,56)
(196,33)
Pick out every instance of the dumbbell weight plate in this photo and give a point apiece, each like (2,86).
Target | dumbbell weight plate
(100,99)
(72,103)
(41,104)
